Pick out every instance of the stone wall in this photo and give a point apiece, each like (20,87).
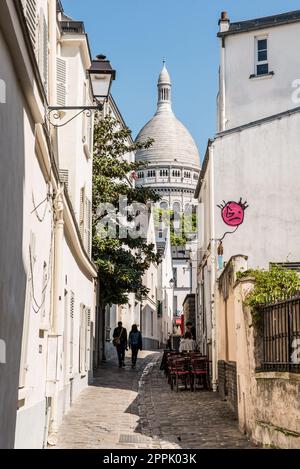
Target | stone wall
(227,384)
(268,402)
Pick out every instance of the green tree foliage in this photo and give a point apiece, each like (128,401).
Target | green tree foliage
(187,225)
(122,262)
(270,285)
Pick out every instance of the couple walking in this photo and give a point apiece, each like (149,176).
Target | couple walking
(135,343)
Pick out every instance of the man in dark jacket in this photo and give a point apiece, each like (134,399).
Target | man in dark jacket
(120,342)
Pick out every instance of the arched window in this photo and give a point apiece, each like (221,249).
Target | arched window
(163,205)
(176,207)
(141,174)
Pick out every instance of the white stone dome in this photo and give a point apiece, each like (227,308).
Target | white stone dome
(173,144)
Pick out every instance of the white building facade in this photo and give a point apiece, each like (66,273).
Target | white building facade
(249,174)
(48,326)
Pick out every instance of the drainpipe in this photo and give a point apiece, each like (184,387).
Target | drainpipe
(213,268)
(57,308)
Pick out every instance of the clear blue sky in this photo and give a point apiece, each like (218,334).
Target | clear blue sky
(137,34)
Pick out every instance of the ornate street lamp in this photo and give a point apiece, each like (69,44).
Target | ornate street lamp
(101,76)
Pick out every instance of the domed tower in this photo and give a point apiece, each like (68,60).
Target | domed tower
(173,159)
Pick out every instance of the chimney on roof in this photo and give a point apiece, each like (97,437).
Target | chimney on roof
(224,22)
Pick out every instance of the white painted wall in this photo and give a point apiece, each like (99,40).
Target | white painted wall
(261,165)
(46,354)
(246,99)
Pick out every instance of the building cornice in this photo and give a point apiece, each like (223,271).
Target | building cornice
(261,23)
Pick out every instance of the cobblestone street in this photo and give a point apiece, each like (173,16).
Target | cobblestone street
(136,409)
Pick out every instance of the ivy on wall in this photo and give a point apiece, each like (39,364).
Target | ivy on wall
(270,286)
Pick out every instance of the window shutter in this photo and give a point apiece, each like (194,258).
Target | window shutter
(82,347)
(61,89)
(90,135)
(81,212)
(45,53)
(30,13)
(42,50)
(88,339)
(72,307)
(88,226)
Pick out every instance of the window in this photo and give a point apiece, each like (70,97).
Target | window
(164,173)
(187,174)
(141,175)
(262,66)
(196,176)
(176,173)
(151,173)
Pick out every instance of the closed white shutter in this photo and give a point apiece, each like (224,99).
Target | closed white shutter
(88,339)
(61,89)
(81,212)
(88,226)
(45,53)
(82,339)
(91,134)
(30,14)
(42,50)
(72,310)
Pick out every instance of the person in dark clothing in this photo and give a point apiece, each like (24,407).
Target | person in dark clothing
(190,328)
(120,342)
(169,342)
(135,343)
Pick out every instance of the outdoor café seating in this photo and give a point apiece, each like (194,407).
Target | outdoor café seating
(189,370)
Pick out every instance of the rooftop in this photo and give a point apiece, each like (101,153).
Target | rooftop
(262,23)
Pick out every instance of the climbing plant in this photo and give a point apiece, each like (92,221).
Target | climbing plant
(270,286)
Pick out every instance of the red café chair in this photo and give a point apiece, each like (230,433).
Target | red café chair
(181,372)
(171,369)
(199,372)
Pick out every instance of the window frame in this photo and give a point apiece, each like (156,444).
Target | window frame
(257,50)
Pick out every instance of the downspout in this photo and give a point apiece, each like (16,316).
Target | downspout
(213,268)
(57,296)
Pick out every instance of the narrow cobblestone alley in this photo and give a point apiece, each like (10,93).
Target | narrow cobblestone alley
(136,409)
